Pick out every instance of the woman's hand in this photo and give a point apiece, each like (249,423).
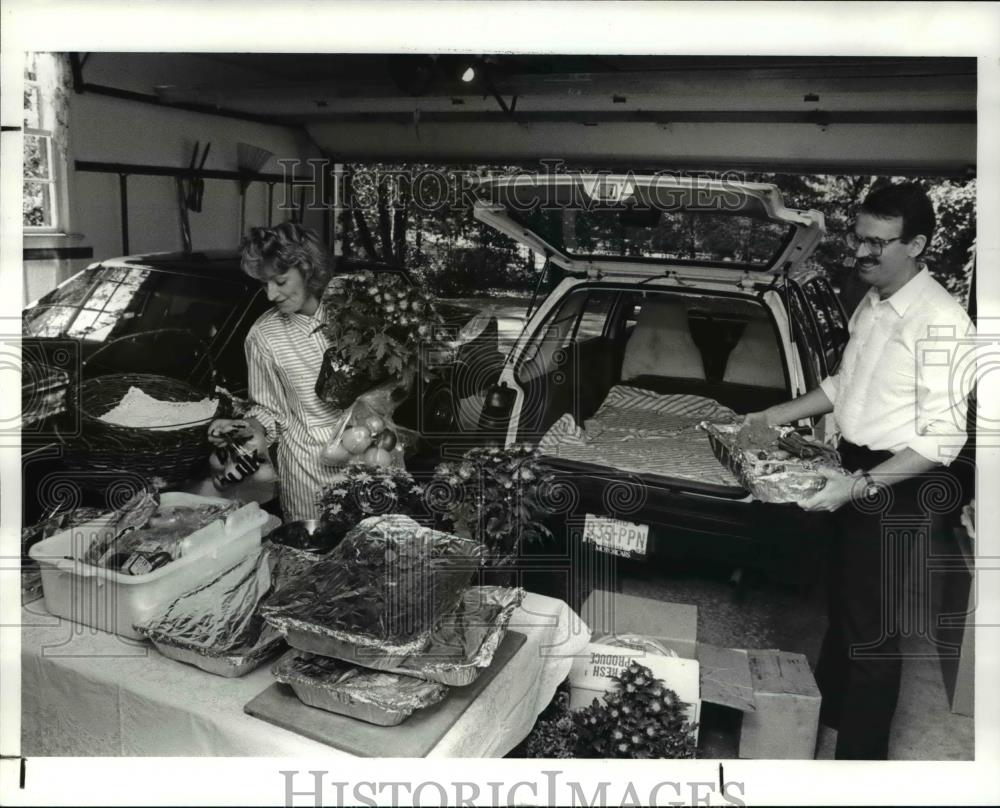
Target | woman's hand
(247,431)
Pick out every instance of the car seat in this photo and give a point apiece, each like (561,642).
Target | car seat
(755,360)
(661,344)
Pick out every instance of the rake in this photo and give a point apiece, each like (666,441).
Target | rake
(249,160)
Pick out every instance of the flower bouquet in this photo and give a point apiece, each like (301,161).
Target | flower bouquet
(377,325)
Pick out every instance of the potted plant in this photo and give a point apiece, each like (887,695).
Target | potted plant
(361,490)
(378,326)
(495,496)
(639,718)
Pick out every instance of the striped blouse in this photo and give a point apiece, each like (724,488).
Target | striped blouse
(284,356)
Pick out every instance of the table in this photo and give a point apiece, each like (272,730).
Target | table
(84,692)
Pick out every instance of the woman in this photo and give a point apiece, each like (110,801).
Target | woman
(284,351)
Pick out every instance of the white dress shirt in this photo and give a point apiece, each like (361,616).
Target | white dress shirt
(906,372)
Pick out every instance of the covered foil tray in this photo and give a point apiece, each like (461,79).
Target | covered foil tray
(791,481)
(231,665)
(385,699)
(383,658)
(378,596)
(463,645)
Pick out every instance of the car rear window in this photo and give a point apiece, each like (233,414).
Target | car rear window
(718,238)
(105,303)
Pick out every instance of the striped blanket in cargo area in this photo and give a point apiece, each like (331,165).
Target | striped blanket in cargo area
(644,432)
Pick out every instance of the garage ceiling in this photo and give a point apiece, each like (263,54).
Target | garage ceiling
(909,115)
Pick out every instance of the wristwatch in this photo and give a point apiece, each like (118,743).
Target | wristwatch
(871,487)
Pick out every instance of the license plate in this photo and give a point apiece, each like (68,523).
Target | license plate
(615,536)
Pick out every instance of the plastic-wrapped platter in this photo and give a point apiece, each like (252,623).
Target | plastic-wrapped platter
(385,699)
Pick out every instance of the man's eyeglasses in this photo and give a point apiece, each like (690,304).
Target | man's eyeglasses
(873,245)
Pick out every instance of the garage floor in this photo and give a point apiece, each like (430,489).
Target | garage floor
(760,614)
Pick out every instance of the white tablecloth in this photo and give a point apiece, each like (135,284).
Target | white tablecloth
(87,693)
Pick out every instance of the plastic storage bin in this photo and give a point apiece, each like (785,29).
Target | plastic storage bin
(112,601)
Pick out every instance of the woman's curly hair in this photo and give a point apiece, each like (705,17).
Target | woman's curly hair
(270,251)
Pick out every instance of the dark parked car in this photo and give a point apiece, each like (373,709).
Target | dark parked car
(179,315)
(674,293)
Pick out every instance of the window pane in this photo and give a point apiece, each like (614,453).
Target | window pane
(36,205)
(707,236)
(73,292)
(32,108)
(595,315)
(36,157)
(30,69)
(91,324)
(47,321)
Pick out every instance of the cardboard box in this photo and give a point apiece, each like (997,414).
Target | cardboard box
(786,719)
(675,625)
(774,691)
(725,677)
(593,674)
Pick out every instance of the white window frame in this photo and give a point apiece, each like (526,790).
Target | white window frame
(57,179)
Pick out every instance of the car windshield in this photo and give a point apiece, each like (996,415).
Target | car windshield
(681,236)
(105,303)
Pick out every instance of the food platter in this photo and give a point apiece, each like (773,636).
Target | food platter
(774,464)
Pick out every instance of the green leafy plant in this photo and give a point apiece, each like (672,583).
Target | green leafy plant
(640,717)
(378,322)
(360,490)
(495,496)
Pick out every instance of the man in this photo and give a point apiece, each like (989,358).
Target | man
(898,410)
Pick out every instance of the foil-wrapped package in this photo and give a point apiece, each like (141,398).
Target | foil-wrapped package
(769,472)
(463,645)
(339,687)
(218,626)
(376,598)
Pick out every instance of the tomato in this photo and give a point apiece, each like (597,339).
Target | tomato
(335,454)
(375,424)
(377,457)
(386,440)
(356,439)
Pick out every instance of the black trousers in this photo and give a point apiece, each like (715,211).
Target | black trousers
(876,591)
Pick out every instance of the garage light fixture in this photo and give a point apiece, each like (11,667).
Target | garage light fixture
(469,74)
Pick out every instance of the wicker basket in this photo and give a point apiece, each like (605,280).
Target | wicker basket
(166,457)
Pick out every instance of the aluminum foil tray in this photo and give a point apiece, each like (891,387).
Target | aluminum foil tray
(385,699)
(231,665)
(382,658)
(377,598)
(463,645)
(796,480)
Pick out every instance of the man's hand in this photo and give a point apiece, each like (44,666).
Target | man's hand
(838,491)
(757,418)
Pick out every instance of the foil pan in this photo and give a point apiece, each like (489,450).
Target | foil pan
(377,597)
(220,617)
(386,699)
(777,481)
(232,665)
(463,645)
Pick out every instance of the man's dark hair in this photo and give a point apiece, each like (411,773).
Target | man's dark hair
(908,201)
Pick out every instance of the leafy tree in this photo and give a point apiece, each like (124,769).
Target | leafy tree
(417,215)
